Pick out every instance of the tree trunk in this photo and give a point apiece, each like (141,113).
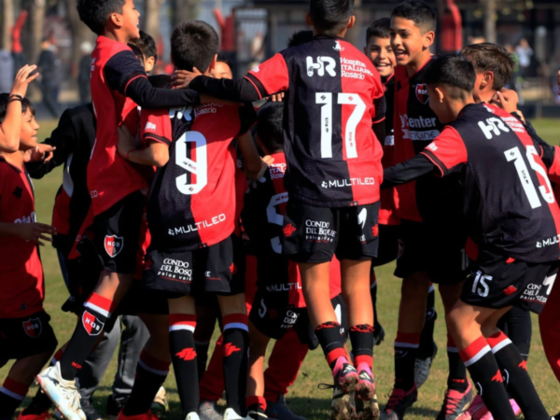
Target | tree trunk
(184,10)
(489,20)
(33,30)
(7,23)
(80,33)
(151,15)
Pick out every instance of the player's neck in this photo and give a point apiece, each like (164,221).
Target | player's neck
(115,35)
(418,63)
(456,107)
(14,158)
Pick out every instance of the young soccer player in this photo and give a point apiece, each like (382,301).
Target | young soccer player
(147,45)
(333,94)
(432,240)
(25,332)
(511,213)
(115,187)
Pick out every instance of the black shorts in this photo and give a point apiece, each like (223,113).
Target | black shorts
(388,245)
(439,251)
(27,336)
(496,282)
(117,234)
(314,234)
(189,273)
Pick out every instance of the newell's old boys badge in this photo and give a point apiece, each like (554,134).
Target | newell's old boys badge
(113,245)
(92,325)
(33,327)
(422,93)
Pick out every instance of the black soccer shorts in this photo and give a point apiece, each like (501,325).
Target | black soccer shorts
(388,245)
(314,234)
(117,234)
(27,336)
(439,251)
(214,269)
(498,282)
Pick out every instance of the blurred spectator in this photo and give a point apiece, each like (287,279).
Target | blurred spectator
(17,48)
(524,53)
(6,71)
(51,75)
(84,72)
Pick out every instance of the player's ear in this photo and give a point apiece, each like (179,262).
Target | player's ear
(351,22)
(308,19)
(116,19)
(487,79)
(213,63)
(440,94)
(429,38)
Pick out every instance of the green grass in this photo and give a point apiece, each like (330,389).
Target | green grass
(304,397)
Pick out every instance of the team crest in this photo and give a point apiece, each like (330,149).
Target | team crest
(33,327)
(92,325)
(289,230)
(113,245)
(422,93)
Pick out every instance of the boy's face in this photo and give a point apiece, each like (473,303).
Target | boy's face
(380,52)
(222,71)
(28,134)
(408,41)
(130,20)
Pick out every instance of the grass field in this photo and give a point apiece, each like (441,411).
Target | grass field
(304,397)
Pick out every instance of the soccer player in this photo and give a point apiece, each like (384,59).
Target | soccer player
(25,332)
(191,215)
(432,240)
(147,45)
(511,214)
(333,95)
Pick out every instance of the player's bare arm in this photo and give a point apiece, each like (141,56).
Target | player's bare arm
(40,153)
(254,166)
(156,154)
(31,232)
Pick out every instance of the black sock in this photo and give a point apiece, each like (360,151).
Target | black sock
(517,379)
(373,293)
(457,378)
(184,358)
(201,357)
(150,375)
(12,394)
(236,342)
(406,350)
(486,375)
(517,325)
(90,326)
(330,339)
(361,337)
(39,404)
(426,348)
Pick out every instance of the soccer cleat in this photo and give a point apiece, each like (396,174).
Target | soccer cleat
(422,368)
(114,407)
(62,393)
(88,409)
(207,410)
(42,416)
(146,416)
(399,401)
(258,414)
(160,405)
(230,414)
(455,403)
(365,391)
(193,415)
(478,411)
(345,375)
(342,406)
(280,410)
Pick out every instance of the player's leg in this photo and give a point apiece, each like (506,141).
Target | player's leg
(206,321)
(212,384)
(256,403)
(517,325)
(182,324)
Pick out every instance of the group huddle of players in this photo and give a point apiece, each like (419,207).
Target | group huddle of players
(267,200)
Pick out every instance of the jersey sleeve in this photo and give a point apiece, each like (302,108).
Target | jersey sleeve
(122,69)
(156,126)
(272,76)
(447,152)
(554,169)
(379,110)
(247,118)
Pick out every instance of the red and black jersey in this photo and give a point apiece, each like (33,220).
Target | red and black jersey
(388,213)
(192,201)
(510,206)
(21,273)
(263,220)
(416,126)
(334,158)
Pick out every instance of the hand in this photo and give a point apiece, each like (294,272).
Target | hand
(269,160)
(265,163)
(506,99)
(126,141)
(36,232)
(40,152)
(23,79)
(183,78)
(277,97)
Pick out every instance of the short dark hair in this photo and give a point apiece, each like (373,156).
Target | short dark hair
(270,126)
(300,37)
(419,12)
(453,70)
(491,57)
(330,15)
(380,28)
(222,58)
(25,105)
(146,44)
(194,43)
(137,52)
(95,13)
